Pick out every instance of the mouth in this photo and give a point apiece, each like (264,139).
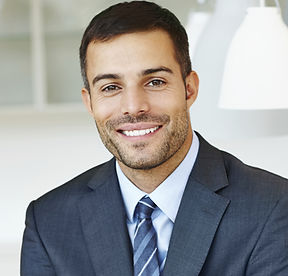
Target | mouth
(139,132)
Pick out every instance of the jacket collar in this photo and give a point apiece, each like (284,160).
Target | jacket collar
(198,218)
(199,215)
(103,220)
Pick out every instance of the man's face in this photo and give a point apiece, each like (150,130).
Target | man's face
(138,97)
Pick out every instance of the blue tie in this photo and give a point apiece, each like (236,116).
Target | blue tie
(145,240)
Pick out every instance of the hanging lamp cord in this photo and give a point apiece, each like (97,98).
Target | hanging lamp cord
(263,3)
(278,4)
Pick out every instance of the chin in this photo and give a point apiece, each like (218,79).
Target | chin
(143,163)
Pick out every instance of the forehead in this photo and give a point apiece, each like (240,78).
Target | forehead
(135,51)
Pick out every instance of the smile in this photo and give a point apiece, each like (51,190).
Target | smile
(140,132)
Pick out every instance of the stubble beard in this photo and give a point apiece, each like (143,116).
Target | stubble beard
(172,140)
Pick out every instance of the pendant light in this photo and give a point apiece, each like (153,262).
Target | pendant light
(256,69)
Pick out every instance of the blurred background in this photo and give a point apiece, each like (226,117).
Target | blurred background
(46,135)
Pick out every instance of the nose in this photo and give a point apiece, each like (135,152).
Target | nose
(134,101)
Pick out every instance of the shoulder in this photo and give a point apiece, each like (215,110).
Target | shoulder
(242,180)
(255,220)
(253,179)
(254,193)
(71,191)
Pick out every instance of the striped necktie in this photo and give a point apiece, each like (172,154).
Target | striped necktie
(145,240)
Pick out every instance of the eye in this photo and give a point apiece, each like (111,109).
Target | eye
(156,83)
(111,88)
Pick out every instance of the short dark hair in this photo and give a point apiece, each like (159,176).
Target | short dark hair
(136,16)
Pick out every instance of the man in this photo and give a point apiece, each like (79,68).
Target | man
(168,203)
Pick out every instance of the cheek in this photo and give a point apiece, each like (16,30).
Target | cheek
(105,109)
(173,98)
(171,105)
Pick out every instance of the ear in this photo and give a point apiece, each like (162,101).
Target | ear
(192,86)
(86,98)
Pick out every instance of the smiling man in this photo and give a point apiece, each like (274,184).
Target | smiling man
(168,203)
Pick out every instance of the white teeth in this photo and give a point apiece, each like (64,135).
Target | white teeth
(140,132)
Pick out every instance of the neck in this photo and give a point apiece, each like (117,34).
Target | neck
(149,180)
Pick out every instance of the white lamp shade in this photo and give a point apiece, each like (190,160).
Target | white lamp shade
(256,70)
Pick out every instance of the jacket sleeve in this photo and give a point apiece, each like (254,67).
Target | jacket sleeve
(270,255)
(34,258)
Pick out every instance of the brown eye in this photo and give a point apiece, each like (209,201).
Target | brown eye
(156,83)
(111,88)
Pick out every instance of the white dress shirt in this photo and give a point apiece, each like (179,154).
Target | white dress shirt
(167,196)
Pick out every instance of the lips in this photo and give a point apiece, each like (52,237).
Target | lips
(144,125)
(139,132)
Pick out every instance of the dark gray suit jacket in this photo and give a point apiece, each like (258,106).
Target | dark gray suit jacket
(233,220)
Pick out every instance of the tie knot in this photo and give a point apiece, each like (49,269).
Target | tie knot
(144,208)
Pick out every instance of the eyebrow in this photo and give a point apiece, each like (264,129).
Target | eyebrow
(155,70)
(105,76)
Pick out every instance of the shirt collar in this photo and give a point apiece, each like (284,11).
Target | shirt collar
(167,196)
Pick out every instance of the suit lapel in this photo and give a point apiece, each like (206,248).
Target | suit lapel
(199,214)
(103,221)
(104,226)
